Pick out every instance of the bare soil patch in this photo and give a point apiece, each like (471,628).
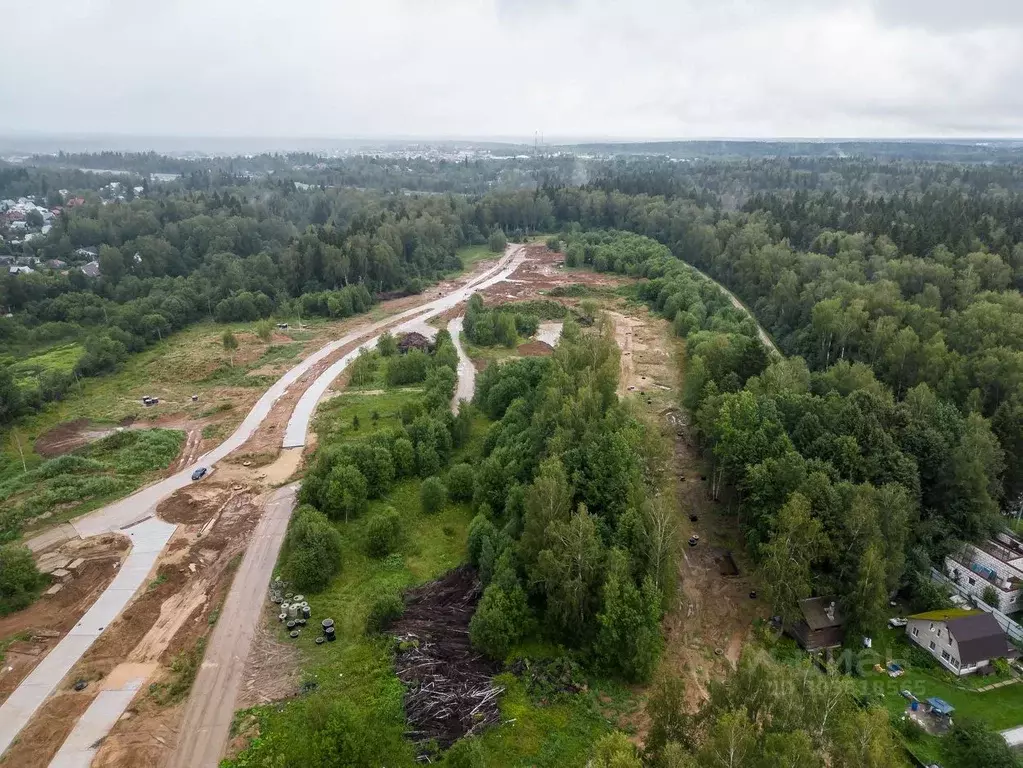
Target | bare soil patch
(171,617)
(450,691)
(67,437)
(272,669)
(39,741)
(535,349)
(48,619)
(541,270)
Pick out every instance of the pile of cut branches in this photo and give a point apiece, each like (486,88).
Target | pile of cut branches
(449,687)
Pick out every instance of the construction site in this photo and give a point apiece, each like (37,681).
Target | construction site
(162,620)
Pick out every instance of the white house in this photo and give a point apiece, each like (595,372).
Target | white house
(996,563)
(962,641)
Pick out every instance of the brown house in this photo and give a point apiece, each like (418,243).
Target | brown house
(821,626)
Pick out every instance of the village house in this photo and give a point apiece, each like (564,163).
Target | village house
(962,641)
(91,269)
(996,563)
(821,625)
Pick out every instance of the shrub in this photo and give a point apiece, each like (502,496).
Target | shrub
(404,457)
(500,621)
(387,345)
(481,529)
(554,244)
(497,241)
(461,482)
(410,368)
(614,750)
(386,608)
(314,550)
(990,596)
(433,495)
(346,492)
(383,533)
(20,580)
(363,369)
(466,753)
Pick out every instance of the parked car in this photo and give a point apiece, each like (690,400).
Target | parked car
(200,473)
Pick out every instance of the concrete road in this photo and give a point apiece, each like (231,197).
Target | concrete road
(131,515)
(207,721)
(148,539)
(298,425)
(466,386)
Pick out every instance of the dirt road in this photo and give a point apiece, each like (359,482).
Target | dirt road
(133,515)
(210,708)
(764,337)
(466,386)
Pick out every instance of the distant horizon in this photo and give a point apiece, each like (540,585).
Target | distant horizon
(49,143)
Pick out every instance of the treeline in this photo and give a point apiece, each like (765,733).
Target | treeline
(948,319)
(468,175)
(168,262)
(567,538)
(842,488)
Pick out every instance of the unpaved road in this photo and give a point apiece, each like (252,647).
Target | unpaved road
(466,386)
(210,708)
(16,712)
(764,337)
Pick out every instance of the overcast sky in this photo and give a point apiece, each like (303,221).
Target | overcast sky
(507,68)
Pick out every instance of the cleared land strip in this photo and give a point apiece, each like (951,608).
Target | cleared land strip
(210,708)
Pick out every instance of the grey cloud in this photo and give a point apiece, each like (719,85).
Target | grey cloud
(579,68)
(950,16)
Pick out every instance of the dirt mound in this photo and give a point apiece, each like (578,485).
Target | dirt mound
(450,692)
(66,437)
(535,349)
(181,508)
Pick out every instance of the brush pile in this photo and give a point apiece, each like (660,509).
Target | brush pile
(449,687)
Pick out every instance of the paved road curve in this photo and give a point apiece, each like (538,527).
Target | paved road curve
(207,722)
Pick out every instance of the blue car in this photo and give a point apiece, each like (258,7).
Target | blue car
(200,473)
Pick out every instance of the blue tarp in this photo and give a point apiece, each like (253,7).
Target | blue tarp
(940,706)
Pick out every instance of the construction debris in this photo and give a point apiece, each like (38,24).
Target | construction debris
(450,692)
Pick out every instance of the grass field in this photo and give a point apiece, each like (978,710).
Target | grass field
(62,357)
(1000,708)
(192,361)
(67,486)
(471,254)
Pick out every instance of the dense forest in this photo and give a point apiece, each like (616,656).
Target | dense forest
(888,430)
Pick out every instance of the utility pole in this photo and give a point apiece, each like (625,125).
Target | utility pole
(17,440)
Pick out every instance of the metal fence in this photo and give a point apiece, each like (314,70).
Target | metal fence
(1011,628)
